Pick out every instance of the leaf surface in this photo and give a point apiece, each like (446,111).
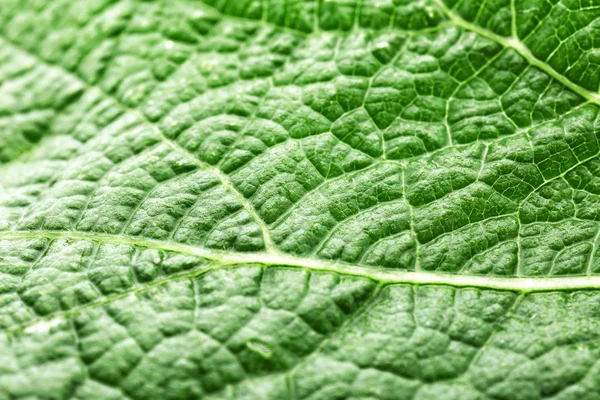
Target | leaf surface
(299,200)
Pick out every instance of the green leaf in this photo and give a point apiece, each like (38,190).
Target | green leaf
(282,199)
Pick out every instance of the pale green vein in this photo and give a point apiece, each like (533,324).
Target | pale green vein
(515,44)
(227,259)
(43,322)
(225,181)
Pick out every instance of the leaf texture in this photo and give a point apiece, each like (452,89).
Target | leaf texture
(310,199)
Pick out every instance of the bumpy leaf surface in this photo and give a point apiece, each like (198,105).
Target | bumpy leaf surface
(299,199)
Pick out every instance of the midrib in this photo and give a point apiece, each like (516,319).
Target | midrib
(223,259)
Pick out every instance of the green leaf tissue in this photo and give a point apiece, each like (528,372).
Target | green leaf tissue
(299,200)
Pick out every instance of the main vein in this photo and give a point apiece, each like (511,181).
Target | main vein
(224,259)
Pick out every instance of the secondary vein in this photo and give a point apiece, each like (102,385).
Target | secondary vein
(224,179)
(515,44)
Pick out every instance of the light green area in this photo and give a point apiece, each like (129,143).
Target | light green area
(277,199)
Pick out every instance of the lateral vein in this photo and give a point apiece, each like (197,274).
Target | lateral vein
(223,178)
(515,44)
